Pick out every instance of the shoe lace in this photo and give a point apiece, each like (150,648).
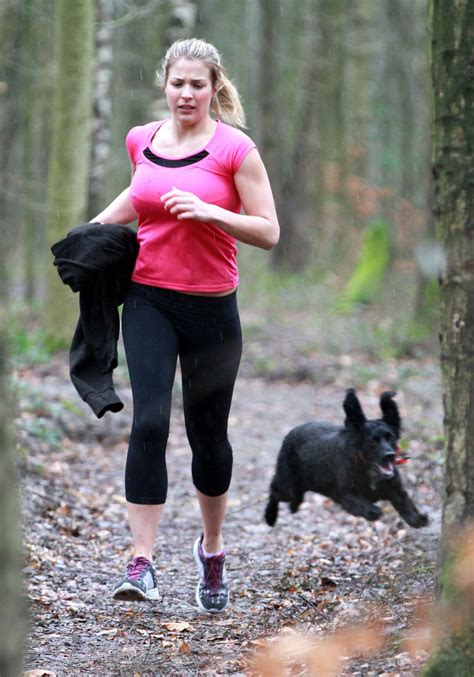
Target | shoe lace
(213,572)
(136,566)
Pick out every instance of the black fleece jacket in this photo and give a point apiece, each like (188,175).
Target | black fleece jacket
(97,261)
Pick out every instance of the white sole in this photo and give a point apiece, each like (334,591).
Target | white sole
(130,593)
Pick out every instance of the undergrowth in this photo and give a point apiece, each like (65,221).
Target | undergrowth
(387,327)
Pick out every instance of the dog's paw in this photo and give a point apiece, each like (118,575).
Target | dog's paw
(420,520)
(373,513)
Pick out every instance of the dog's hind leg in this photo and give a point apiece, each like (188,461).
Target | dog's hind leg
(296,501)
(271,511)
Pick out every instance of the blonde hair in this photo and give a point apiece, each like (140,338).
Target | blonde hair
(225,104)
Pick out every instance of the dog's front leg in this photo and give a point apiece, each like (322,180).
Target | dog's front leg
(403,504)
(360,507)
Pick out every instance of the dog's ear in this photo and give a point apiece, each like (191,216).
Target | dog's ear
(355,417)
(390,412)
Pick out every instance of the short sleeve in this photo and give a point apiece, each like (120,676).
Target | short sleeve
(240,149)
(230,147)
(131,143)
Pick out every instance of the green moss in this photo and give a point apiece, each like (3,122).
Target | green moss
(455,654)
(364,284)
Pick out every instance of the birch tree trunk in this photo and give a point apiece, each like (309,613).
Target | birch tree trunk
(452,30)
(69,161)
(102,108)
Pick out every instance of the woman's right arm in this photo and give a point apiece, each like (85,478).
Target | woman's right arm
(120,210)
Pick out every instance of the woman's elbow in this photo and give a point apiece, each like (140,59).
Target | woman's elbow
(272,238)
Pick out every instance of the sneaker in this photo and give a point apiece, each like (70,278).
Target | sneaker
(212,593)
(139,582)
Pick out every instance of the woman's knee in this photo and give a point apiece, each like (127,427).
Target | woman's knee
(212,466)
(151,426)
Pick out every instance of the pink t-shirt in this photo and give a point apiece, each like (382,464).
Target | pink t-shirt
(186,255)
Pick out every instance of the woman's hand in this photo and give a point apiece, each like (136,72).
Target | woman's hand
(257,226)
(187,205)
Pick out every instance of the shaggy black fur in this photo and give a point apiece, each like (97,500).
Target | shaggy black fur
(353,464)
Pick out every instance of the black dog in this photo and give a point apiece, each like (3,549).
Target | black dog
(354,464)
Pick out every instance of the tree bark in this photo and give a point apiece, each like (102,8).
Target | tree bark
(102,108)
(301,185)
(12,616)
(32,152)
(69,161)
(453,77)
(452,30)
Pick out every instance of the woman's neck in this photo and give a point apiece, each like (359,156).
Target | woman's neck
(181,132)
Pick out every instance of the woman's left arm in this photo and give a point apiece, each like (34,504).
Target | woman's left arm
(258,226)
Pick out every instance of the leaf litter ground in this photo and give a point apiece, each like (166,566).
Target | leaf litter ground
(316,571)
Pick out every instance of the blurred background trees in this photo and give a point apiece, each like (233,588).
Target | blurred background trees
(337,97)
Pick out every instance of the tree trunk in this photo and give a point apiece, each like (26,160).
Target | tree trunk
(301,188)
(335,214)
(453,77)
(12,616)
(102,108)
(452,30)
(12,607)
(69,161)
(32,147)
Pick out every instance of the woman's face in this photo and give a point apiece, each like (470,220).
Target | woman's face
(189,90)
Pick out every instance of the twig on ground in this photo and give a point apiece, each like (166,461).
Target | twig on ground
(312,605)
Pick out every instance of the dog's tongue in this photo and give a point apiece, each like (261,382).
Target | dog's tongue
(387,468)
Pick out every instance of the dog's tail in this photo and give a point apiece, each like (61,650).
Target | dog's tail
(271,511)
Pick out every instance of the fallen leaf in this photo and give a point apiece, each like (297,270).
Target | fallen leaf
(174,626)
(185,648)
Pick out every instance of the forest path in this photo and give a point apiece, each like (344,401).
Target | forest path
(315,571)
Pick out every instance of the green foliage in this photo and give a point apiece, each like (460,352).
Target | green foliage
(29,343)
(383,329)
(364,284)
(31,346)
(45,430)
(28,347)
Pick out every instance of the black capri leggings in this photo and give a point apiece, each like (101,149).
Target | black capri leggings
(158,325)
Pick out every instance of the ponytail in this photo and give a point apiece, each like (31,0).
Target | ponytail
(226,104)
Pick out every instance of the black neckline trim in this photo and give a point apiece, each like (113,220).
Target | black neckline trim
(181,162)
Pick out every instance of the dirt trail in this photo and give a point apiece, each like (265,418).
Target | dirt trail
(313,572)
